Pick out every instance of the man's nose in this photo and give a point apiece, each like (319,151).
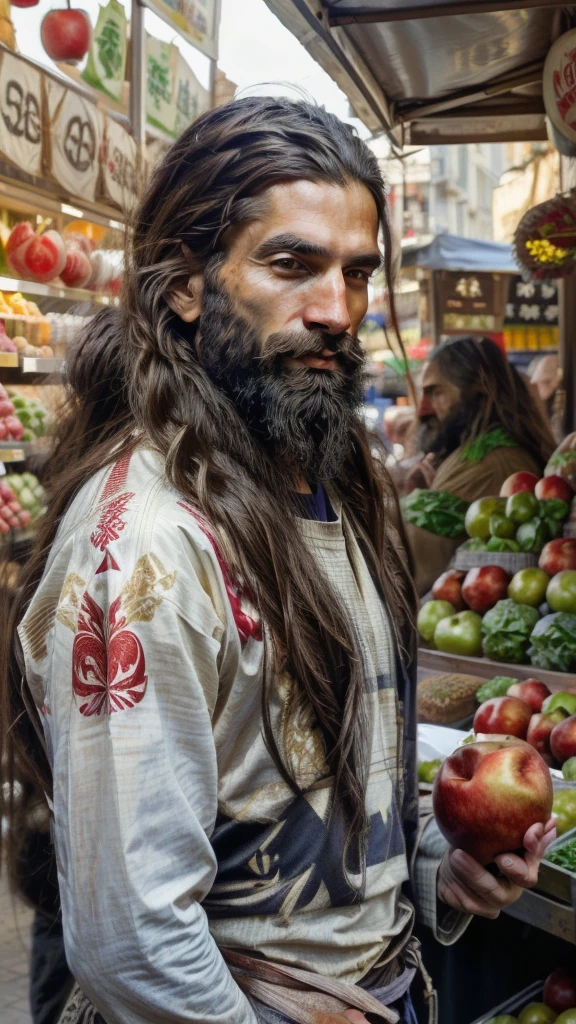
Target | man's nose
(327,309)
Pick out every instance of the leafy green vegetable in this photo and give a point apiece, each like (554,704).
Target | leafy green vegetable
(481,446)
(497,687)
(437,511)
(533,536)
(553,508)
(473,544)
(564,856)
(428,770)
(553,642)
(507,628)
(502,544)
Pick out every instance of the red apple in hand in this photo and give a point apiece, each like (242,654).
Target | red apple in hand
(533,691)
(448,587)
(484,587)
(487,795)
(563,739)
(558,555)
(554,487)
(518,482)
(560,991)
(503,716)
(66,35)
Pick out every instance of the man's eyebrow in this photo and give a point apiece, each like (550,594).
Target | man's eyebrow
(303,247)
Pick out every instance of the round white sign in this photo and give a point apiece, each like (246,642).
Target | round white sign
(559,85)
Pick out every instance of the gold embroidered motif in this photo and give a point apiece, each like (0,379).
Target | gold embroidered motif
(70,601)
(140,597)
(302,741)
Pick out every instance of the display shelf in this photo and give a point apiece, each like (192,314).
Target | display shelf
(8,360)
(32,364)
(549,915)
(18,451)
(11,284)
(437,662)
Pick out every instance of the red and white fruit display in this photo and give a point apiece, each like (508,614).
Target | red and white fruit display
(503,716)
(10,427)
(488,794)
(66,34)
(12,515)
(78,268)
(35,257)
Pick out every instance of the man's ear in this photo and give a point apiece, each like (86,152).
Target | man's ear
(187,301)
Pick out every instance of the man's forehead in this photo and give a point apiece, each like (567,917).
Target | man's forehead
(431,376)
(341,218)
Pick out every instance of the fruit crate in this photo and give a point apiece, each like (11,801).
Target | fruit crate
(560,883)
(532,994)
(511,561)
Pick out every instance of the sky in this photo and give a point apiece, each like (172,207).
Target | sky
(255,50)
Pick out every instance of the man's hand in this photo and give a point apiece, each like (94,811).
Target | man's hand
(466,886)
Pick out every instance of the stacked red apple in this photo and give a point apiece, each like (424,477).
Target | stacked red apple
(45,257)
(12,515)
(452,621)
(530,712)
(11,428)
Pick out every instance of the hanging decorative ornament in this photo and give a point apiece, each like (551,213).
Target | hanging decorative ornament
(66,34)
(545,239)
(559,90)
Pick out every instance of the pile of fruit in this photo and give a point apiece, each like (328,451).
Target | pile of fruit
(528,617)
(12,515)
(6,343)
(558,1006)
(29,492)
(11,428)
(46,256)
(32,415)
(526,515)
(25,325)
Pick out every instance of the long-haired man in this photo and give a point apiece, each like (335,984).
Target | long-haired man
(217,626)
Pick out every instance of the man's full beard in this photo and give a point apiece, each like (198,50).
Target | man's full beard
(303,416)
(453,431)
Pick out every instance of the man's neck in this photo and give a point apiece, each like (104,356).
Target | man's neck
(301,485)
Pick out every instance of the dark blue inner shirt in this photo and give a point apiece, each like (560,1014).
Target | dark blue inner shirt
(316,506)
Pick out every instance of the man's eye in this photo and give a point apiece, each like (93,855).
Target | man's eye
(287,263)
(359,275)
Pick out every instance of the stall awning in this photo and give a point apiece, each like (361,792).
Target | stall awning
(452,252)
(435,71)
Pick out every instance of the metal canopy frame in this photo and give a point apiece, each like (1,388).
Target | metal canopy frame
(407,11)
(505,104)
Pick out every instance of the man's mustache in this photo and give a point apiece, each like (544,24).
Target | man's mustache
(294,345)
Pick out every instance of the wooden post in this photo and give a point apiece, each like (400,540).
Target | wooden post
(567,348)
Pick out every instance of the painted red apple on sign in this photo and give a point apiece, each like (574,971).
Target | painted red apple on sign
(66,34)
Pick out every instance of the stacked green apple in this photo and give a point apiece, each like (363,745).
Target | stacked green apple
(32,415)
(519,520)
(29,492)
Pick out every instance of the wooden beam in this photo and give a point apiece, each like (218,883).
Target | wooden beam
(429,138)
(567,348)
(433,9)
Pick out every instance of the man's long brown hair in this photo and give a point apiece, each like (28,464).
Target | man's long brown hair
(494,394)
(157,391)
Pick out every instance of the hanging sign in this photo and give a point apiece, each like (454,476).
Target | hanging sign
(559,85)
(471,303)
(196,20)
(119,166)
(75,137)
(106,67)
(174,96)
(190,98)
(545,239)
(21,113)
(160,75)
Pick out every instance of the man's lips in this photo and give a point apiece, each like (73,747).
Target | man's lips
(324,360)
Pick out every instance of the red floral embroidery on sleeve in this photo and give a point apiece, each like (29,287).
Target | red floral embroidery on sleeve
(247,626)
(111,523)
(108,667)
(117,478)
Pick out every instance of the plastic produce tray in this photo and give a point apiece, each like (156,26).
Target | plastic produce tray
(556,881)
(532,994)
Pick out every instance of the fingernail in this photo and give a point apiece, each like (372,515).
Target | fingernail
(507,862)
